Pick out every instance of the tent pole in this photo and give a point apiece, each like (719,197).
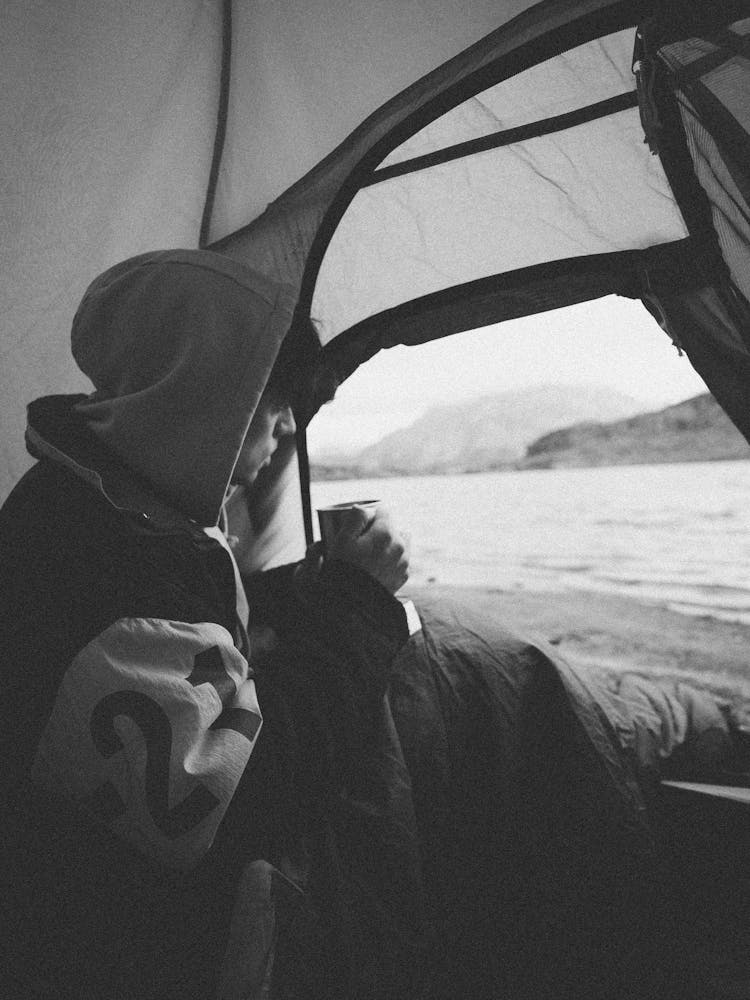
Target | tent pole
(303,461)
(221,123)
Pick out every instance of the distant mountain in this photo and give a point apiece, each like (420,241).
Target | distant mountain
(487,433)
(696,430)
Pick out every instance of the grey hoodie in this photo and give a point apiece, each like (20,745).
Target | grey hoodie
(179,345)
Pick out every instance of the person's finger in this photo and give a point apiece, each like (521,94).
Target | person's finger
(376,547)
(314,555)
(383,541)
(379,529)
(356,520)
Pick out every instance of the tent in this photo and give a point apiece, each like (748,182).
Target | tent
(411,170)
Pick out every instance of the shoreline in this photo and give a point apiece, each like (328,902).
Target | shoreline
(611,631)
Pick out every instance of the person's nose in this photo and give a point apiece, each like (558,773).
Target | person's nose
(285,423)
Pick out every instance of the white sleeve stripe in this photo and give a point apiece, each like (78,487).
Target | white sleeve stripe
(153,725)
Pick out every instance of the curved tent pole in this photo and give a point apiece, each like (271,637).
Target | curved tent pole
(303,461)
(221,123)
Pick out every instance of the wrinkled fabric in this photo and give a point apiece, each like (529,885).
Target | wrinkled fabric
(540,819)
(536,859)
(136,693)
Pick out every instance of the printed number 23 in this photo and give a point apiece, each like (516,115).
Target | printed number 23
(156,728)
(152,720)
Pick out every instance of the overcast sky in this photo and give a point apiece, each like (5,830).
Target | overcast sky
(609,342)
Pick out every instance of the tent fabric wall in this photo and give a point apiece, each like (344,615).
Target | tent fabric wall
(724,89)
(373,215)
(494,212)
(709,74)
(362,222)
(108,118)
(305,76)
(290,237)
(345,123)
(567,174)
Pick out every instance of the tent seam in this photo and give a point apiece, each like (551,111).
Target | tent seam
(222,115)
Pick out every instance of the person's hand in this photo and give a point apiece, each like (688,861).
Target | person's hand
(368,540)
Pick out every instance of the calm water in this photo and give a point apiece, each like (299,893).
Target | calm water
(677,534)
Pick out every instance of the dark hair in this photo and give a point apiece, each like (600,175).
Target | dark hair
(301,375)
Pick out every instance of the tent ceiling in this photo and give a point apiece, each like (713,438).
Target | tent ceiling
(588,190)
(109,114)
(587,74)
(491,155)
(305,75)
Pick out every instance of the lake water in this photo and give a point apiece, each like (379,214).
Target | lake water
(678,534)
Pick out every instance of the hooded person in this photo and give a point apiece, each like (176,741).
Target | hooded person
(141,771)
(220,782)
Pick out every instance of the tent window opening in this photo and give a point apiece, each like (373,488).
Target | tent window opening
(458,439)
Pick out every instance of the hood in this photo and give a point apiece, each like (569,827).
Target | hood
(179,345)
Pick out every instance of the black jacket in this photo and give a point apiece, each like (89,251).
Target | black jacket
(146,754)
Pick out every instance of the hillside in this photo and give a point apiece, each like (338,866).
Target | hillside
(696,430)
(488,433)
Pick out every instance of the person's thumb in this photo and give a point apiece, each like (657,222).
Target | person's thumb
(314,554)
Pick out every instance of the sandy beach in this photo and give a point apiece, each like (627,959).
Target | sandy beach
(615,632)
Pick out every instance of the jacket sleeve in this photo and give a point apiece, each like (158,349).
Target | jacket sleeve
(323,692)
(153,725)
(345,624)
(341,788)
